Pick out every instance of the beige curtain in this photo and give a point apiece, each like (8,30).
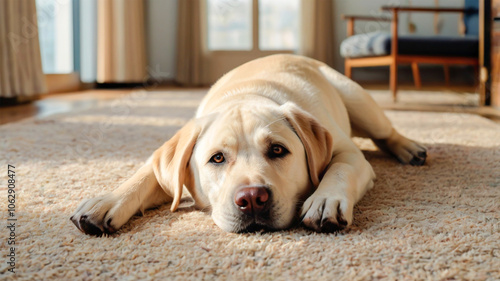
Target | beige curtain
(21,74)
(121,50)
(317,30)
(189,45)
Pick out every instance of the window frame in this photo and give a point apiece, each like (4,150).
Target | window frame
(255,34)
(68,82)
(216,63)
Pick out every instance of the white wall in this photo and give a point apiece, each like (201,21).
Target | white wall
(161,32)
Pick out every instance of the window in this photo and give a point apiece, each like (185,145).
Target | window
(55,30)
(231,24)
(278,24)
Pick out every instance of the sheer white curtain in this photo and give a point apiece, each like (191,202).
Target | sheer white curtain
(21,74)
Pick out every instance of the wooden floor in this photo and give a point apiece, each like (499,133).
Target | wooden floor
(66,102)
(58,103)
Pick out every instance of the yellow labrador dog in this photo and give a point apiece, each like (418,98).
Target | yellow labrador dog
(269,146)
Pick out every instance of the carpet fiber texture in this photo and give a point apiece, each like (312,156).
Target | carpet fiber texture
(440,221)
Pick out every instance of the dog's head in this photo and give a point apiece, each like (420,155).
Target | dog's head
(252,167)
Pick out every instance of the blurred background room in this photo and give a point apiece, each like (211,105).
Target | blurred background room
(107,46)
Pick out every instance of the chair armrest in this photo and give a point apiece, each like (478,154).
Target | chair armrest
(367,18)
(351,18)
(425,9)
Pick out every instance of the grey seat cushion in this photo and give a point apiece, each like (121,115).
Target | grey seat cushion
(379,43)
(365,45)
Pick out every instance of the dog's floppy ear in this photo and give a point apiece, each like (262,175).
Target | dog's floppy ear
(170,161)
(316,139)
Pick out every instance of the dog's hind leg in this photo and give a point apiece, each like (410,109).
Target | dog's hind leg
(368,120)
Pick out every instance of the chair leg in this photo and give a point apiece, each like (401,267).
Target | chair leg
(348,69)
(477,79)
(393,80)
(446,68)
(416,75)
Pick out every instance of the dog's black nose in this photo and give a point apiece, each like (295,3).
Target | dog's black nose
(251,200)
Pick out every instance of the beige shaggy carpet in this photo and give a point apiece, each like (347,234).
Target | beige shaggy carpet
(436,222)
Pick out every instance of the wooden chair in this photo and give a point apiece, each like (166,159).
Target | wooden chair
(431,50)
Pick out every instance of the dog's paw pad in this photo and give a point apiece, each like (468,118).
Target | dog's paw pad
(90,228)
(422,154)
(329,226)
(418,160)
(108,228)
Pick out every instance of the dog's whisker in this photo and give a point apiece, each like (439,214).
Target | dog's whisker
(275,121)
(207,208)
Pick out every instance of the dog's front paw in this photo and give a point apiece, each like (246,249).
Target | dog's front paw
(326,214)
(96,216)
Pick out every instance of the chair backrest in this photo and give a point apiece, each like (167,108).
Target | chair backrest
(471,17)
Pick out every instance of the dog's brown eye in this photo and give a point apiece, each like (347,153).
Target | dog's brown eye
(217,158)
(277,151)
